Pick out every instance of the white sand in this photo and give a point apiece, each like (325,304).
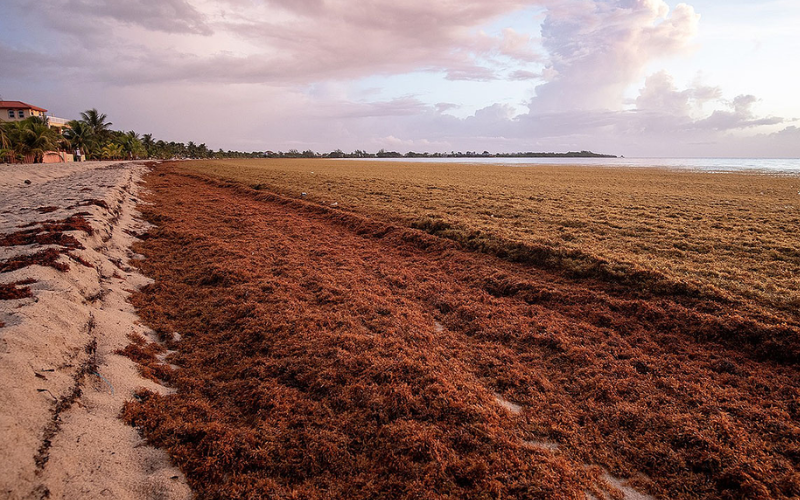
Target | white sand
(92,454)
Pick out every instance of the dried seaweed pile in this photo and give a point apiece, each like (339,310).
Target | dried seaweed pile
(16,290)
(323,355)
(48,233)
(721,235)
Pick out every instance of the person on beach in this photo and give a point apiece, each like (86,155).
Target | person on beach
(78,154)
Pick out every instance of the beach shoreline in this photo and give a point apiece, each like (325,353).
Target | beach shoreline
(64,384)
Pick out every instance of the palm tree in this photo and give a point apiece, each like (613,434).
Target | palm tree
(14,132)
(42,120)
(36,138)
(4,140)
(148,143)
(97,122)
(80,135)
(112,152)
(131,145)
(5,143)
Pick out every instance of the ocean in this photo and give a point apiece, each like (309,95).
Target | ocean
(764,165)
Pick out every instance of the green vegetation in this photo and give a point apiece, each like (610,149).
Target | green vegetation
(27,141)
(358,153)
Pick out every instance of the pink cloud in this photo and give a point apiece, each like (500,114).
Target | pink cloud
(519,46)
(471,72)
(280,41)
(443,107)
(523,75)
(740,117)
(282,68)
(171,16)
(659,93)
(345,39)
(598,48)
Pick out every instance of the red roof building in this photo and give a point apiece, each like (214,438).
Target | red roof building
(18,110)
(14,111)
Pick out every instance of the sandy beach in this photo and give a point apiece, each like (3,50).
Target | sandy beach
(62,385)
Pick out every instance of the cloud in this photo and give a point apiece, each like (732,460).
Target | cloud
(343,39)
(284,73)
(741,116)
(665,121)
(403,106)
(519,46)
(81,17)
(598,48)
(471,72)
(171,16)
(605,42)
(660,106)
(523,75)
(280,41)
(660,95)
(26,63)
(443,107)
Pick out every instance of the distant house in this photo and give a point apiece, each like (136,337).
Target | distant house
(14,111)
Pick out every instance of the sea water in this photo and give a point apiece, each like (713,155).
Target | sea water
(766,165)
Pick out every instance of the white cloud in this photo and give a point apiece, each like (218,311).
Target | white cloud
(277,74)
(598,48)
(741,116)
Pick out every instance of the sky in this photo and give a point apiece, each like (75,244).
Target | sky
(658,78)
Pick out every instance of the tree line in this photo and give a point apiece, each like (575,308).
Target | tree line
(29,139)
(293,153)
